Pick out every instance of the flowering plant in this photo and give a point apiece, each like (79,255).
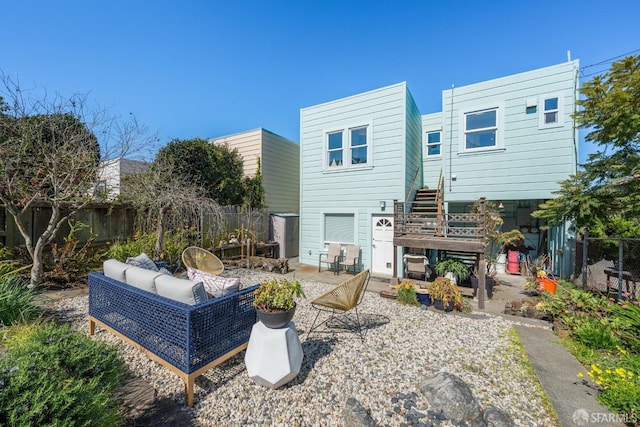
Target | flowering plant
(407,293)
(443,289)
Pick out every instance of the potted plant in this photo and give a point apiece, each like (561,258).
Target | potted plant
(453,269)
(496,242)
(407,293)
(275,301)
(445,294)
(488,282)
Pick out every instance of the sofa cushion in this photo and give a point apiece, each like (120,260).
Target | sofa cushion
(142,261)
(215,286)
(182,290)
(142,278)
(115,269)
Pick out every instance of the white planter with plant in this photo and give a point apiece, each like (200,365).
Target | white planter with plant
(452,269)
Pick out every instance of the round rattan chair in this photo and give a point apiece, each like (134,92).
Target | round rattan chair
(202,260)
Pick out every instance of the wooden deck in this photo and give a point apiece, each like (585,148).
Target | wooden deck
(422,241)
(460,232)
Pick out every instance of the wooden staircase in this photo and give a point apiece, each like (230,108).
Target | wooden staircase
(427,205)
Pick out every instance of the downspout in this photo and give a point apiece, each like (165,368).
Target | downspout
(451,139)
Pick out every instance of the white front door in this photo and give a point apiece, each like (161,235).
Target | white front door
(382,246)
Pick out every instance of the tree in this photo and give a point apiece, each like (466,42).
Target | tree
(166,200)
(216,168)
(51,151)
(254,190)
(607,190)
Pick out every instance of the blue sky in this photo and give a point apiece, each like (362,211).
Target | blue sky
(209,68)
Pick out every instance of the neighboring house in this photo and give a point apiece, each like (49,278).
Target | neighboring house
(279,162)
(112,173)
(510,140)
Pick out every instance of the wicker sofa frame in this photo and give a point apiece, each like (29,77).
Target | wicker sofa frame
(186,339)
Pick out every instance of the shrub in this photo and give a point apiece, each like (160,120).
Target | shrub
(56,376)
(17,301)
(73,259)
(596,334)
(173,244)
(629,315)
(5,253)
(620,382)
(9,268)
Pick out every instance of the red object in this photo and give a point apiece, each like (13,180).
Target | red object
(513,266)
(547,284)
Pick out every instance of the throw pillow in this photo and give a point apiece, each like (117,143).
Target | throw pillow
(215,286)
(143,261)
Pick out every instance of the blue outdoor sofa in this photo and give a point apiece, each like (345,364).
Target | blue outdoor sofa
(188,339)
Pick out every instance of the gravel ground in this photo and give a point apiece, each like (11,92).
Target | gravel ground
(403,345)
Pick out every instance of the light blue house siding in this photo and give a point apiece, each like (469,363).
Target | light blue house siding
(338,201)
(432,143)
(528,157)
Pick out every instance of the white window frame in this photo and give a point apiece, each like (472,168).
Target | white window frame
(329,150)
(559,111)
(354,228)
(427,144)
(347,147)
(499,128)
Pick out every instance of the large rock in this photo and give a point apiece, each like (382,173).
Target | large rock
(449,394)
(355,415)
(494,417)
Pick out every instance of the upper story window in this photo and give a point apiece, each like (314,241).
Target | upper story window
(481,129)
(551,111)
(348,147)
(434,143)
(101,187)
(334,152)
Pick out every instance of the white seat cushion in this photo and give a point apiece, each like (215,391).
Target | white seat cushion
(142,278)
(182,290)
(115,269)
(215,286)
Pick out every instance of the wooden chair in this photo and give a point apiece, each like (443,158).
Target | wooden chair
(340,300)
(202,260)
(331,258)
(351,259)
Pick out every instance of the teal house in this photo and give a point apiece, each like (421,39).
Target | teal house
(510,140)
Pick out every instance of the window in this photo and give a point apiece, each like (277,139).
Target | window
(481,129)
(348,147)
(358,145)
(101,187)
(433,143)
(551,111)
(338,228)
(335,149)
(551,107)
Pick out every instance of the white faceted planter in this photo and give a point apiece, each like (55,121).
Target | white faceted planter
(273,356)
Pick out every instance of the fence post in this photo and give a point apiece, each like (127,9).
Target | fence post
(620,268)
(585,253)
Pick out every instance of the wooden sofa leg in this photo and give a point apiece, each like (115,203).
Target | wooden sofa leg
(92,327)
(188,389)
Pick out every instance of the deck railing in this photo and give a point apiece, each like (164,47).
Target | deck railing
(454,225)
